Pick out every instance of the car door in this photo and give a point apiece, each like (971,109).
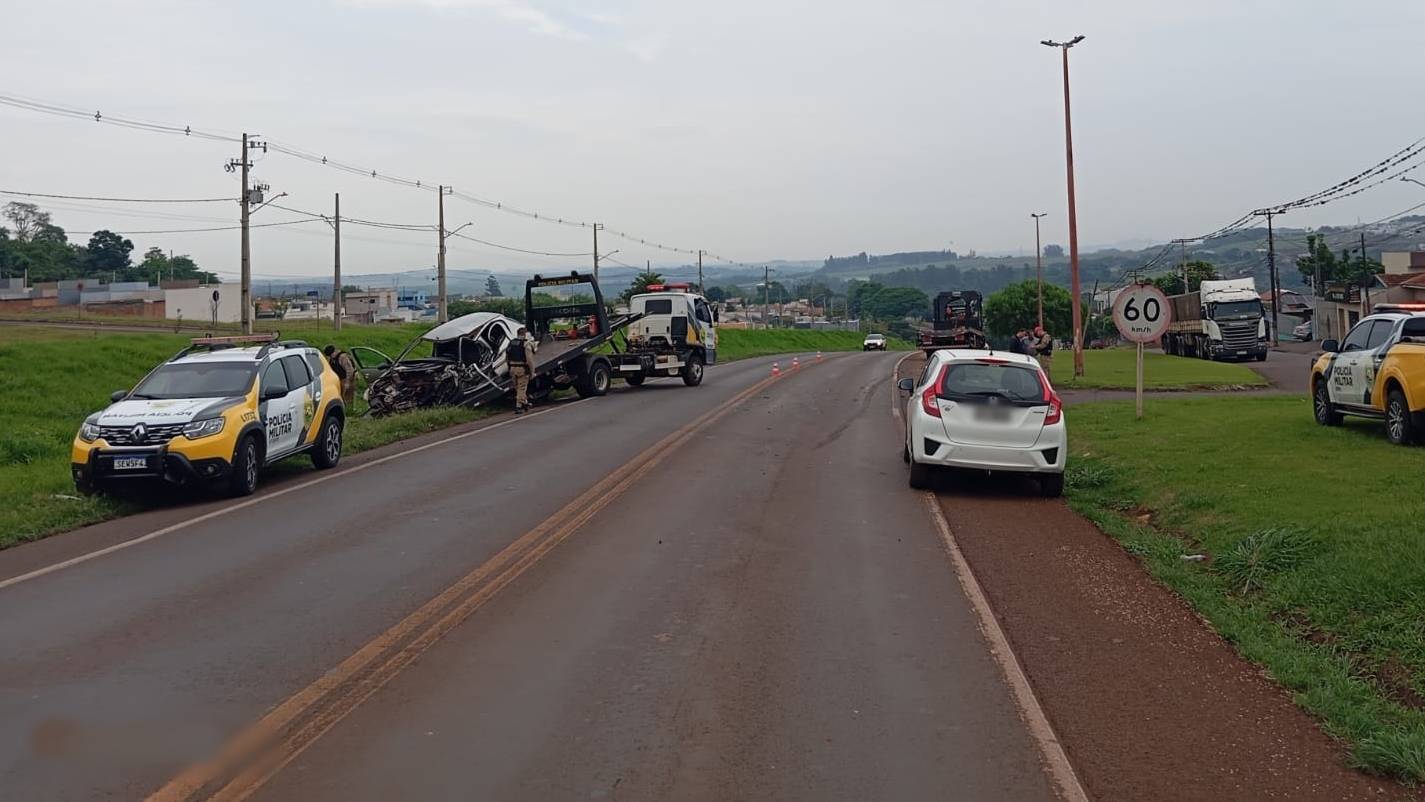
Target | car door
(707,328)
(303,394)
(1382,336)
(1348,374)
(370,363)
(274,408)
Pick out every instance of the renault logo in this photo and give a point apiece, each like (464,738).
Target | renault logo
(139,433)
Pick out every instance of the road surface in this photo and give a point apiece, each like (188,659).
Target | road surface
(724,592)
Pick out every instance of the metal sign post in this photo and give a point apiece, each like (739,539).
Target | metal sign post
(1141,313)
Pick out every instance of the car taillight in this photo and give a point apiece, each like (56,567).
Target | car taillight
(1056,404)
(929,402)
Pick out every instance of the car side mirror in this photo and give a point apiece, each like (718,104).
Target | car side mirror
(118,395)
(1330,346)
(906,385)
(270,393)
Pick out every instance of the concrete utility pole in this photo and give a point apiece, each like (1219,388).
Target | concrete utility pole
(1039,263)
(1074,288)
(1274,336)
(1365,286)
(766,297)
(246,255)
(336,264)
(442,312)
(701,289)
(597,226)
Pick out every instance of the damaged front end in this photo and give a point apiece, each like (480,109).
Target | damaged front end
(466,369)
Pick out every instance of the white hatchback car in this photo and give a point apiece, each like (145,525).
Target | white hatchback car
(984,410)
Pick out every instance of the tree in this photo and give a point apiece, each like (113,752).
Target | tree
(1318,265)
(1017,307)
(26,220)
(1052,251)
(716,294)
(895,303)
(107,252)
(857,292)
(509,307)
(1197,272)
(492,288)
(640,285)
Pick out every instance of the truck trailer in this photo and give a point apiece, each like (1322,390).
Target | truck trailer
(957,321)
(1222,320)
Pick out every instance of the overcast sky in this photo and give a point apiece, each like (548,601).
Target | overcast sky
(757,129)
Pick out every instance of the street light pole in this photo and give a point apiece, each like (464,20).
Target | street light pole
(1074,288)
(1039,264)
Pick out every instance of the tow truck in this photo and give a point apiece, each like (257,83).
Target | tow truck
(674,333)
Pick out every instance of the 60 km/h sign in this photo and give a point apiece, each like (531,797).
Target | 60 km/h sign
(1142,313)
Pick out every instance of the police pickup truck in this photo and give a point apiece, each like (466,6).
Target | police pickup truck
(1377,371)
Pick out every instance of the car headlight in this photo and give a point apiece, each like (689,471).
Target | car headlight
(89,432)
(203,428)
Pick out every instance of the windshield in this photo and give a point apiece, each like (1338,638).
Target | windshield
(1228,309)
(197,380)
(983,380)
(875,337)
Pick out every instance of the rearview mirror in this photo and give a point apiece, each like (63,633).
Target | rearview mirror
(906,385)
(118,395)
(1330,346)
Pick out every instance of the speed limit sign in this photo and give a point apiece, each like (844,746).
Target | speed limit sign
(1142,313)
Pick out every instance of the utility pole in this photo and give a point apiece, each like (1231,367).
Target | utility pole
(1365,283)
(1273,336)
(250,195)
(442,312)
(597,226)
(1039,264)
(701,289)
(766,297)
(1074,288)
(336,264)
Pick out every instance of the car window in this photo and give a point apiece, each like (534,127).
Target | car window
(987,379)
(274,378)
(314,362)
(1381,333)
(924,372)
(1358,337)
(658,306)
(197,380)
(702,312)
(297,374)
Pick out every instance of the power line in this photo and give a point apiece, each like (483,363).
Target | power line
(215,228)
(116,200)
(520,250)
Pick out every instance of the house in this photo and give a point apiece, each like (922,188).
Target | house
(366,307)
(218,303)
(1338,307)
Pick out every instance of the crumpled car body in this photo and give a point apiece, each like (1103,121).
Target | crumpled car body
(466,366)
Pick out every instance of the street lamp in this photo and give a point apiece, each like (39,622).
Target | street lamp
(1412,180)
(1074,288)
(1039,263)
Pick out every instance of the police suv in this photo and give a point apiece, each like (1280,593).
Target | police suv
(1377,371)
(217,412)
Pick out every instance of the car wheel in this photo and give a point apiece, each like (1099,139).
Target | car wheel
(1261,357)
(595,381)
(635,379)
(246,464)
(1399,424)
(905,454)
(1321,405)
(1051,485)
(919,475)
(693,371)
(328,446)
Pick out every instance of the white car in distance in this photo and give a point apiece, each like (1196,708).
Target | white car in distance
(987,411)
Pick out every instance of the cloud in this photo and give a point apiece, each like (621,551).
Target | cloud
(536,20)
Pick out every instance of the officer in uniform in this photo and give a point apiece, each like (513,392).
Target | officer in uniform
(518,358)
(346,369)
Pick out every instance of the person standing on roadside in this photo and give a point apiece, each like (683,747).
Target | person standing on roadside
(1043,347)
(517,358)
(345,368)
(1019,343)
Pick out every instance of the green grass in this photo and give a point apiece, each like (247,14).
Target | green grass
(1114,368)
(1317,568)
(51,379)
(735,344)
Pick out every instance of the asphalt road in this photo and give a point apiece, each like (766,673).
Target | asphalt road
(619,598)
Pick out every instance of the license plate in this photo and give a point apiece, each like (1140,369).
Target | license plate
(130,463)
(993,414)
(1242,353)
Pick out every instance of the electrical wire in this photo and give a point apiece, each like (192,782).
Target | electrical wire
(115,200)
(519,250)
(197,230)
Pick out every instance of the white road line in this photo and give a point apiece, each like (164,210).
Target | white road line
(326,477)
(895,391)
(1055,759)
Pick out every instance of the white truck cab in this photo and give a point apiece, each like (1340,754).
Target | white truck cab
(675,335)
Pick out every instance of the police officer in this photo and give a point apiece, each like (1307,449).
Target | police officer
(1043,346)
(518,358)
(345,368)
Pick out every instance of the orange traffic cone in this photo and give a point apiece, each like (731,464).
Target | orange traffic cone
(796,363)
(818,356)
(776,369)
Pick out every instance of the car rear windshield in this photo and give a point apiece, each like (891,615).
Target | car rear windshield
(985,380)
(658,306)
(197,380)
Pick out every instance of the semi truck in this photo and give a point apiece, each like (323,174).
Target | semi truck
(957,320)
(1223,319)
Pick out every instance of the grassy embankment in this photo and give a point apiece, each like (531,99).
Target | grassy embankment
(1317,562)
(1113,369)
(735,344)
(51,379)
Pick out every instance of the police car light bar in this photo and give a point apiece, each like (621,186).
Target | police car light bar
(1420,307)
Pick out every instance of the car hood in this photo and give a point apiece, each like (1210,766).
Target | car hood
(162,410)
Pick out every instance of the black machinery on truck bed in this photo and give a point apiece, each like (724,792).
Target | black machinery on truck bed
(957,321)
(467,362)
